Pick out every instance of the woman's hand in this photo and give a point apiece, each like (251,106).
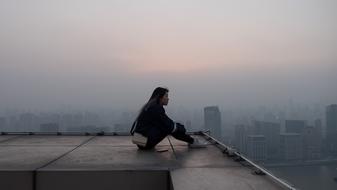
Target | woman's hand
(180,128)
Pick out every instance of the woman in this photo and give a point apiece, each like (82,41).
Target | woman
(152,124)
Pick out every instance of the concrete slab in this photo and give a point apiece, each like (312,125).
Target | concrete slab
(127,141)
(176,142)
(117,141)
(202,157)
(238,178)
(112,158)
(45,140)
(111,141)
(6,138)
(29,157)
(106,157)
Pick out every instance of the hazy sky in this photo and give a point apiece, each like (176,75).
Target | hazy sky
(114,53)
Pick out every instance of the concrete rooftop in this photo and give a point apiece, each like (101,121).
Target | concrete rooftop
(29,162)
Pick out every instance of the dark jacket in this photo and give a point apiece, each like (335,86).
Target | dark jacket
(154,121)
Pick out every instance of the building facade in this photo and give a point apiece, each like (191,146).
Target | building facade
(256,147)
(271,132)
(291,147)
(212,119)
(331,128)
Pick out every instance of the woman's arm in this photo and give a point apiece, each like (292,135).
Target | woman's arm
(164,122)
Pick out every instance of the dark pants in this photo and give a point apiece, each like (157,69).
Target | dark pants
(156,136)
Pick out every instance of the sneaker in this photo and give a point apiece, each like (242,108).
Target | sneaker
(197,144)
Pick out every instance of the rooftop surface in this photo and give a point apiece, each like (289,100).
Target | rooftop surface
(113,162)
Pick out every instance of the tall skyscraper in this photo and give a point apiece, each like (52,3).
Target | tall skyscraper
(212,118)
(291,146)
(2,123)
(271,132)
(295,126)
(256,147)
(188,125)
(318,126)
(331,128)
(240,138)
(312,140)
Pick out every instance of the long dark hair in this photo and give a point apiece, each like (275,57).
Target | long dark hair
(157,94)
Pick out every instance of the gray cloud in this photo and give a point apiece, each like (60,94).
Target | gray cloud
(103,53)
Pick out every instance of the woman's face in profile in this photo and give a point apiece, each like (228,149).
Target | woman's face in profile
(164,100)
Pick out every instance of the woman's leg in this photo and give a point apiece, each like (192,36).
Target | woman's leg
(180,134)
(154,137)
(157,136)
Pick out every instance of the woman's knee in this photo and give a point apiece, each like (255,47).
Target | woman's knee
(180,129)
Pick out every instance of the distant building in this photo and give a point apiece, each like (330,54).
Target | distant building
(291,146)
(295,126)
(240,138)
(104,129)
(270,117)
(89,129)
(312,141)
(68,121)
(28,122)
(49,127)
(2,123)
(78,119)
(91,118)
(49,118)
(212,118)
(74,129)
(122,127)
(256,147)
(188,125)
(271,132)
(13,123)
(331,128)
(318,126)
